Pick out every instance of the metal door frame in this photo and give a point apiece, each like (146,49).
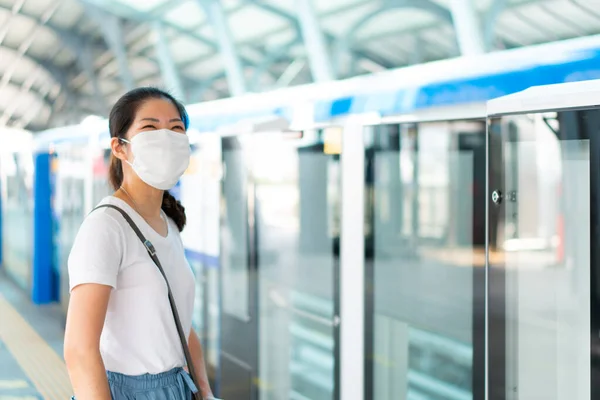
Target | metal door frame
(248,329)
(496,336)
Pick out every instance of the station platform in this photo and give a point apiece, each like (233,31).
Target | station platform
(31,348)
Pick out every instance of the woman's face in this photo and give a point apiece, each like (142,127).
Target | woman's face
(153,114)
(156,114)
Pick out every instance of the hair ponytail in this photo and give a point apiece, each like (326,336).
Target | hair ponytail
(174,210)
(115,173)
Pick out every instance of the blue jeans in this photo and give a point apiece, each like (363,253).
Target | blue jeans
(172,385)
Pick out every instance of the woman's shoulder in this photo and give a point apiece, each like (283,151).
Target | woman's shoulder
(104,218)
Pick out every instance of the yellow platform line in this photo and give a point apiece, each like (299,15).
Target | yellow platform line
(36,358)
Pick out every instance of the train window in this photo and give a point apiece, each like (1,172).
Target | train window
(235,252)
(17,215)
(543,240)
(279,294)
(424,254)
(69,203)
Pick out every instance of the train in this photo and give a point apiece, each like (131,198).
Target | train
(339,232)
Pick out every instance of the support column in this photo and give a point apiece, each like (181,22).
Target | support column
(113,35)
(168,69)
(233,66)
(44,282)
(312,177)
(86,59)
(352,264)
(416,55)
(468,28)
(314,41)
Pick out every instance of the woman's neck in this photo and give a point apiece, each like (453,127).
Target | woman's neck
(144,198)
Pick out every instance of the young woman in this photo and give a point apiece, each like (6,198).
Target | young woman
(121,341)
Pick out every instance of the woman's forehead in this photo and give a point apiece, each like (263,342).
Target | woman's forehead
(158,109)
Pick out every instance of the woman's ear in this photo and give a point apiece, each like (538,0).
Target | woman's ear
(119,149)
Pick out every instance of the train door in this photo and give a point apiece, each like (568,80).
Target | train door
(424,260)
(279,264)
(17,209)
(543,248)
(69,206)
(199,191)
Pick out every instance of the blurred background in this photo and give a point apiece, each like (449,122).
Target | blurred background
(62,60)
(386,199)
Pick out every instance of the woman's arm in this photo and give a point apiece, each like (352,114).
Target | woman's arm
(199,366)
(85,319)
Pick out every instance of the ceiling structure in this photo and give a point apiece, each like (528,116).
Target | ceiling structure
(61,60)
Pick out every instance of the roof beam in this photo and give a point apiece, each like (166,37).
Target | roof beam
(85,60)
(314,42)
(270,59)
(70,100)
(296,25)
(40,21)
(14,64)
(55,74)
(26,88)
(74,42)
(233,67)
(467,27)
(132,14)
(13,11)
(349,39)
(168,69)
(112,30)
(491,18)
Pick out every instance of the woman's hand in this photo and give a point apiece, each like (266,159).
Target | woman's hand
(199,365)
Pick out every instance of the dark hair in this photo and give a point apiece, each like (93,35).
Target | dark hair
(121,117)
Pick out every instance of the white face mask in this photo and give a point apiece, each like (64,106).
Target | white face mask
(160,157)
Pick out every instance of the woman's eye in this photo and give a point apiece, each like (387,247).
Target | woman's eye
(178,127)
(148,126)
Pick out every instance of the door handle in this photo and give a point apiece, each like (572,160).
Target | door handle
(497,196)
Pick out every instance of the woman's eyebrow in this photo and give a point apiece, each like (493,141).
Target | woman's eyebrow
(156,120)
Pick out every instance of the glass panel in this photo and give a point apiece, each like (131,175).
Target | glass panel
(425,241)
(234,235)
(101,187)
(69,207)
(297,196)
(17,216)
(200,192)
(543,199)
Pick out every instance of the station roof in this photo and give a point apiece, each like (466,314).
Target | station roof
(61,60)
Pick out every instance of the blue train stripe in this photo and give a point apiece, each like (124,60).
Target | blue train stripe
(582,65)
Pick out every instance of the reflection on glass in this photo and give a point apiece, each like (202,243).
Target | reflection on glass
(424,240)
(545,235)
(100,186)
(69,208)
(17,216)
(212,321)
(297,197)
(200,191)
(234,250)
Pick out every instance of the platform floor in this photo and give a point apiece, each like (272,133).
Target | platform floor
(31,338)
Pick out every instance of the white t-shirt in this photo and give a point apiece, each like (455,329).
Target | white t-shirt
(139,334)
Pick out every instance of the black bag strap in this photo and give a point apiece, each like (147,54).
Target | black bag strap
(152,253)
